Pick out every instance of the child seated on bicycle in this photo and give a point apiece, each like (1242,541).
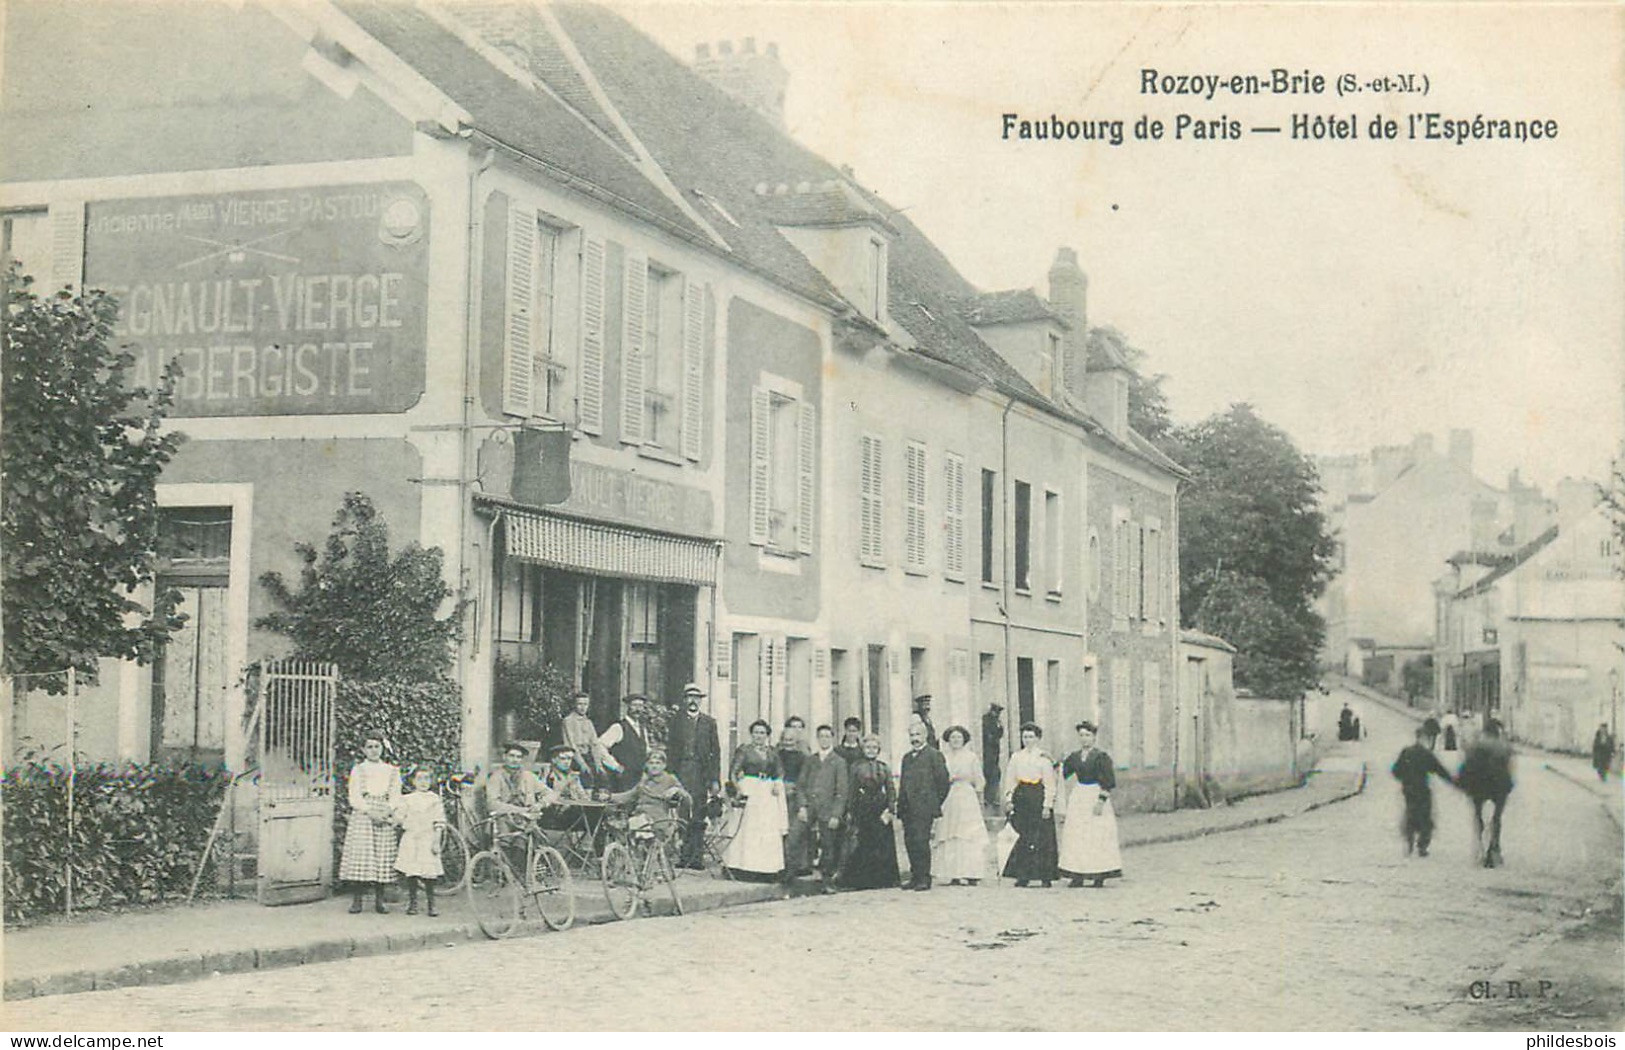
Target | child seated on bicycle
(658,793)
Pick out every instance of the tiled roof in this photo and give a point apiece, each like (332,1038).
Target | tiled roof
(1011,306)
(1104,350)
(530,121)
(832,202)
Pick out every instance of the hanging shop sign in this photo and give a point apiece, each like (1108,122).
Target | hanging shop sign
(272,302)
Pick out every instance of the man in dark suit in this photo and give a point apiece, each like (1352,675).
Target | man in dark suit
(922,711)
(696,757)
(627,742)
(823,801)
(992,752)
(922,786)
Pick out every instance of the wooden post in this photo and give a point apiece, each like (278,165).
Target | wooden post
(73,767)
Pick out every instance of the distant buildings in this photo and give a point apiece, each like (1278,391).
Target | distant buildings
(1398,513)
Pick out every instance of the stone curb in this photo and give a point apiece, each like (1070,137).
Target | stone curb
(1250,822)
(177,969)
(1585,785)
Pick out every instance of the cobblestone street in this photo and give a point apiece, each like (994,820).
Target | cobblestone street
(1318,923)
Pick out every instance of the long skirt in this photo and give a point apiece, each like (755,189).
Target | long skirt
(961,850)
(1035,855)
(369,850)
(797,842)
(1089,843)
(759,846)
(870,862)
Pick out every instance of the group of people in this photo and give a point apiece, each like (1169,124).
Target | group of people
(1485,775)
(830,812)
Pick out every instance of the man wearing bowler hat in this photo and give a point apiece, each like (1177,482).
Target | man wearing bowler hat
(695,751)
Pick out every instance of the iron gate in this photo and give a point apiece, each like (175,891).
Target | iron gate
(295,748)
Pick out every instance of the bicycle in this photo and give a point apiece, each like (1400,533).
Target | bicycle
(455,851)
(500,896)
(637,860)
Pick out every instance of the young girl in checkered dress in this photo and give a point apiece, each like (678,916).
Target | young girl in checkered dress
(369,842)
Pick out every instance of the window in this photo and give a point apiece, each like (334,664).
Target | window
(1120,568)
(1026,709)
(871,510)
(990,484)
(1052,540)
(784,446)
(25,238)
(643,609)
(534,369)
(1155,585)
(987,681)
(1024,526)
(919,673)
(914,554)
(554,370)
(663,359)
(953,516)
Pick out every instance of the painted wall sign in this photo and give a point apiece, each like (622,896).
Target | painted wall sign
(618,495)
(274,302)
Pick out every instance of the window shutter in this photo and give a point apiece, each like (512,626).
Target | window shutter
(806,474)
(693,368)
(67,245)
(518,356)
(634,313)
(953,564)
(1153,714)
(1136,553)
(871,546)
(760,465)
(914,505)
(590,411)
(1120,569)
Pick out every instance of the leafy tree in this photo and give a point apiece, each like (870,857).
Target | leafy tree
(1254,547)
(81,451)
(373,614)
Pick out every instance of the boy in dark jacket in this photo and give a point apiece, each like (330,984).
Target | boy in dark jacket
(1411,768)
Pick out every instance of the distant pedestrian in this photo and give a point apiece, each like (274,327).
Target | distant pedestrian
(1486,776)
(1452,731)
(961,837)
(870,861)
(422,816)
(1411,769)
(368,857)
(1602,752)
(1089,848)
(922,785)
(758,847)
(1348,727)
(1029,799)
(992,749)
(1430,730)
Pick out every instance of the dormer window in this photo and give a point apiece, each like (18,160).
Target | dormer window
(877,278)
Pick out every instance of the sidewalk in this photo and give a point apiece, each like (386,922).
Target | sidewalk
(170,944)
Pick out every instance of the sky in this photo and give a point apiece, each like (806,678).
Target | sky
(1357,292)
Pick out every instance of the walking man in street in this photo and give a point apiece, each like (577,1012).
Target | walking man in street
(922,786)
(823,801)
(1602,752)
(1411,768)
(696,758)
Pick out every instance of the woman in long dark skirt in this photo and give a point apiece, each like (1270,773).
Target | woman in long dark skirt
(871,857)
(1029,801)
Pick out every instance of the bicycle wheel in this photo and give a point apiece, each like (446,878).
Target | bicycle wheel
(493,893)
(666,871)
(454,854)
(549,885)
(620,880)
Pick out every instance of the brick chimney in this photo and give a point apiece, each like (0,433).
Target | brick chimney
(1069,297)
(756,78)
(1461,449)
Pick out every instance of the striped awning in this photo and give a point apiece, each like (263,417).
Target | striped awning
(608,550)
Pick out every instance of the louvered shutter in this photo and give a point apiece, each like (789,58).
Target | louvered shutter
(914,510)
(67,245)
(953,499)
(761,409)
(518,355)
(722,660)
(806,476)
(871,522)
(634,314)
(590,389)
(1136,539)
(1119,569)
(693,369)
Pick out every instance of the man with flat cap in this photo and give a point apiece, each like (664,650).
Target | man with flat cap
(513,794)
(695,751)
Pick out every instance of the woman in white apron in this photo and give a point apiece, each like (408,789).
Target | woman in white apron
(1089,849)
(758,848)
